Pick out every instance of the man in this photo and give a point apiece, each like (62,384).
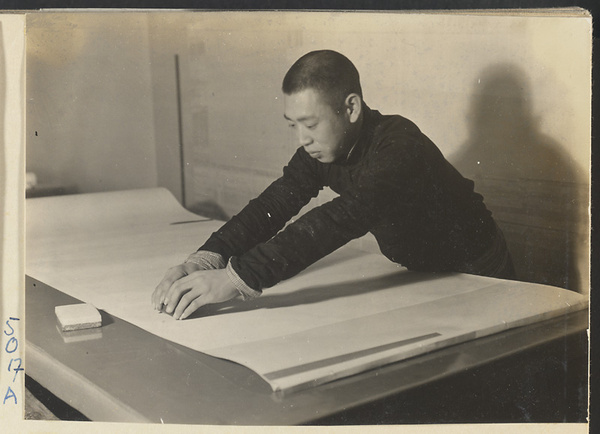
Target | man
(391,179)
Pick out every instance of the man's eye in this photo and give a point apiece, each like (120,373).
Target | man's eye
(292,125)
(312,126)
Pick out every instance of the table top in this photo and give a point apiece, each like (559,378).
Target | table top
(350,312)
(346,322)
(122,373)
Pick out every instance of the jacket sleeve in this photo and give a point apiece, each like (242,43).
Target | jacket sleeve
(388,178)
(265,215)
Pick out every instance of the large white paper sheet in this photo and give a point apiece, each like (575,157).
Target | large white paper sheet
(349,312)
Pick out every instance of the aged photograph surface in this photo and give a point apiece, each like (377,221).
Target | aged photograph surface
(307,218)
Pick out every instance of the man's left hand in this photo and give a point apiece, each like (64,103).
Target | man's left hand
(197,289)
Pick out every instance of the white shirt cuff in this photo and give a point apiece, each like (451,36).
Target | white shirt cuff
(245,291)
(207,260)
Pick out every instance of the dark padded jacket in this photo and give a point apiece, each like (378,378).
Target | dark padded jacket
(395,184)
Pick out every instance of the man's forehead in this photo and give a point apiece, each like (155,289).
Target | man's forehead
(303,105)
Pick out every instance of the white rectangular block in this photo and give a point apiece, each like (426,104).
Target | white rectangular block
(78,316)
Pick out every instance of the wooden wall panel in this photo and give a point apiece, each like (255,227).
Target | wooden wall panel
(546,225)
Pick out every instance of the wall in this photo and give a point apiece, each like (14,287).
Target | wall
(90,124)
(234,138)
(507,100)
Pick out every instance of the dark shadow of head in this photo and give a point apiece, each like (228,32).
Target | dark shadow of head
(501,100)
(505,139)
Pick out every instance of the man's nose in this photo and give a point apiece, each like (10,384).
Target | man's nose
(304,138)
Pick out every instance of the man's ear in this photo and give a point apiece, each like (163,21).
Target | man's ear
(353,106)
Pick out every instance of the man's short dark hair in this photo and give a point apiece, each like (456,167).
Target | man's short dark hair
(328,72)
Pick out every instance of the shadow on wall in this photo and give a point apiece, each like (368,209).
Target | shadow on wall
(526,178)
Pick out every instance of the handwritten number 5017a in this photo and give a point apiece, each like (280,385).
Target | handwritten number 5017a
(15,364)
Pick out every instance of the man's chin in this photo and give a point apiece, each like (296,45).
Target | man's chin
(322,159)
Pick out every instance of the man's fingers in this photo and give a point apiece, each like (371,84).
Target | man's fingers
(159,293)
(176,292)
(192,307)
(189,303)
(172,275)
(183,302)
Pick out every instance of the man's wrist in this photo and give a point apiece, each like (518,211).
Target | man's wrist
(245,291)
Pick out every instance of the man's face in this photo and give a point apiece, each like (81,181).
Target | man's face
(322,132)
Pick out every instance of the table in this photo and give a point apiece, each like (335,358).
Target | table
(501,351)
(122,373)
